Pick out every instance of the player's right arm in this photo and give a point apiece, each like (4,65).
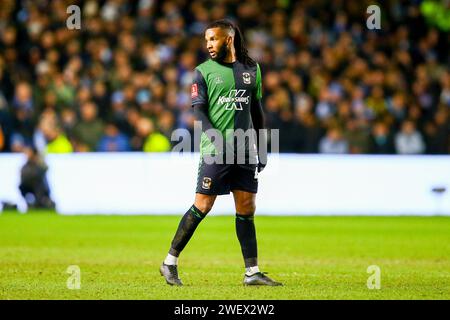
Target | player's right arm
(199,95)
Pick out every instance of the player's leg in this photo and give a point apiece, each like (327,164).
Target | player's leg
(244,185)
(189,222)
(212,180)
(246,233)
(186,228)
(245,228)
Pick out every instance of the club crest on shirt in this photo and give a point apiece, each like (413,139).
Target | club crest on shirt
(246,78)
(218,80)
(206,183)
(194,91)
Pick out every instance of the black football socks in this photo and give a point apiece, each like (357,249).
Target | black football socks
(186,228)
(246,233)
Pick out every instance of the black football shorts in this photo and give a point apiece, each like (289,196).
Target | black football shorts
(217,179)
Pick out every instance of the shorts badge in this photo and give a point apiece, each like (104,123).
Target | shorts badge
(206,183)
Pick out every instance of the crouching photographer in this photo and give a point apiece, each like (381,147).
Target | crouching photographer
(33,181)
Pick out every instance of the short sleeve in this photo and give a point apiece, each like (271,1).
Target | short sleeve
(198,89)
(258,87)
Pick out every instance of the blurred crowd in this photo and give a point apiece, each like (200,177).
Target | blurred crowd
(121,82)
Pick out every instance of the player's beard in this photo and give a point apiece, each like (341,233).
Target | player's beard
(222,53)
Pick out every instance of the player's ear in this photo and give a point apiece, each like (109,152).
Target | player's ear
(229,41)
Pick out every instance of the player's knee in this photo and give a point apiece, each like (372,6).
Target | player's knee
(204,205)
(247,208)
(251,209)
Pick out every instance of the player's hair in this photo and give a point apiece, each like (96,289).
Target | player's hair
(239,44)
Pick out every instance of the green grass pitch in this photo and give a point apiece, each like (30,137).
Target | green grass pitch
(315,257)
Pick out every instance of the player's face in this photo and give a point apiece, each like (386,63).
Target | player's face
(217,43)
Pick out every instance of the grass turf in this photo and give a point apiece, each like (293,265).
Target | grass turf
(315,257)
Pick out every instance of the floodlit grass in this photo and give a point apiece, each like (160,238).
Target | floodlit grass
(315,257)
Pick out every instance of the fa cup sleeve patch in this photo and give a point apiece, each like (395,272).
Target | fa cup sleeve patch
(194,91)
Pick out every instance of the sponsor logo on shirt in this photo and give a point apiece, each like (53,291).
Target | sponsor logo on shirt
(235,99)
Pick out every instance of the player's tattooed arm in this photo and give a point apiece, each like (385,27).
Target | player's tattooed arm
(257,114)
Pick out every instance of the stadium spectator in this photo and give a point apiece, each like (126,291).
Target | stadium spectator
(440,144)
(381,141)
(157,142)
(113,140)
(148,139)
(89,129)
(68,119)
(57,142)
(333,142)
(2,139)
(357,136)
(307,133)
(22,115)
(5,124)
(409,140)
(143,127)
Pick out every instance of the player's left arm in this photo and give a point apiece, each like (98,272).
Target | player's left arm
(257,114)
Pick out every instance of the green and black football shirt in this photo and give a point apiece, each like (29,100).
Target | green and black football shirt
(228,90)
